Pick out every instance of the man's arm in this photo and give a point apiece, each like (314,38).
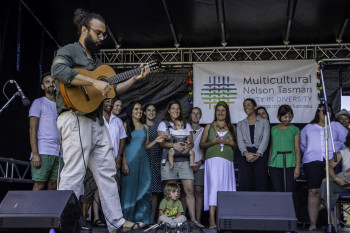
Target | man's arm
(124,86)
(84,80)
(266,137)
(120,152)
(332,165)
(33,136)
(62,70)
(297,156)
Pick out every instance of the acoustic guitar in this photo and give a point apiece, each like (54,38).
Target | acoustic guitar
(86,99)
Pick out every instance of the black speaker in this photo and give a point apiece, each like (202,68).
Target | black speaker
(271,211)
(41,210)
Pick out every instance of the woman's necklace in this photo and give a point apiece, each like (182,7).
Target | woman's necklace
(195,130)
(221,127)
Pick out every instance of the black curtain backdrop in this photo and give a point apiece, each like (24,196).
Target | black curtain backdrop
(159,88)
(336,77)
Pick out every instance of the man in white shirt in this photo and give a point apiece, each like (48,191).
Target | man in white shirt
(116,130)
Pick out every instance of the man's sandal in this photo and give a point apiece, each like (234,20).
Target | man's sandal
(136,225)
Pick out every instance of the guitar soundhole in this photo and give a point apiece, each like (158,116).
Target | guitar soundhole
(83,89)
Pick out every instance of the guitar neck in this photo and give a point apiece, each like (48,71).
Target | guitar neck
(123,76)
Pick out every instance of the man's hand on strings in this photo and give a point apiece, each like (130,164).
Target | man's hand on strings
(144,72)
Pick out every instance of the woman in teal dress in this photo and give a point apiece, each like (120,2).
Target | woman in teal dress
(136,195)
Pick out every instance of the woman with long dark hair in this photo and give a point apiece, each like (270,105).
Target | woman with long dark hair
(154,155)
(312,143)
(136,195)
(219,141)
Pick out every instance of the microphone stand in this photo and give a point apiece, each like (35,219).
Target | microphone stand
(9,101)
(330,228)
(284,167)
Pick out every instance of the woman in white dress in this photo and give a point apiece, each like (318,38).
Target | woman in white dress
(219,141)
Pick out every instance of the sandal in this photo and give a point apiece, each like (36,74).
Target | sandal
(312,228)
(321,206)
(136,225)
(198,224)
(99,223)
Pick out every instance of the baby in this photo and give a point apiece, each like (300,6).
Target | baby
(179,134)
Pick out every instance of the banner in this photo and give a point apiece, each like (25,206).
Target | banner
(270,83)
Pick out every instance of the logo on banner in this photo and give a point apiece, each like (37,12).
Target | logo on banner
(218,89)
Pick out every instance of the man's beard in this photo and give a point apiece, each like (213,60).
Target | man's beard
(91,45)
(50,90)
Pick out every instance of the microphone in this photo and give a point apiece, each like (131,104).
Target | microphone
(53,91)
(25,100)
(320,62)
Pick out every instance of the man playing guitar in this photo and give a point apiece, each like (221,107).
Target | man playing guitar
(85,139)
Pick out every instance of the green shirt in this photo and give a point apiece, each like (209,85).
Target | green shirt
(283,140)
(215,150)
(62,70)
(171,208)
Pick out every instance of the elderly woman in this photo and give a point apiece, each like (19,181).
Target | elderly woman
(253,135)
(344,118)
(218,139)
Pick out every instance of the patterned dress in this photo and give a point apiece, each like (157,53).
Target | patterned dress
(154,157)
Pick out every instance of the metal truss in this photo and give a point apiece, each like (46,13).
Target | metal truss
(184,57)
(12,170)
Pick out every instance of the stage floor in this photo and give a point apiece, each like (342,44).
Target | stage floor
(104,230)
(207,230)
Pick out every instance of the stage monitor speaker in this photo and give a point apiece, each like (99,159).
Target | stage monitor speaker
(41,210)
(266,211)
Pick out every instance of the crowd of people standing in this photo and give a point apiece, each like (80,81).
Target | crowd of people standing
(126,166)
(140,142)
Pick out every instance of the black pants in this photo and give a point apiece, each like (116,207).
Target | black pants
(276,175)
(252,176)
